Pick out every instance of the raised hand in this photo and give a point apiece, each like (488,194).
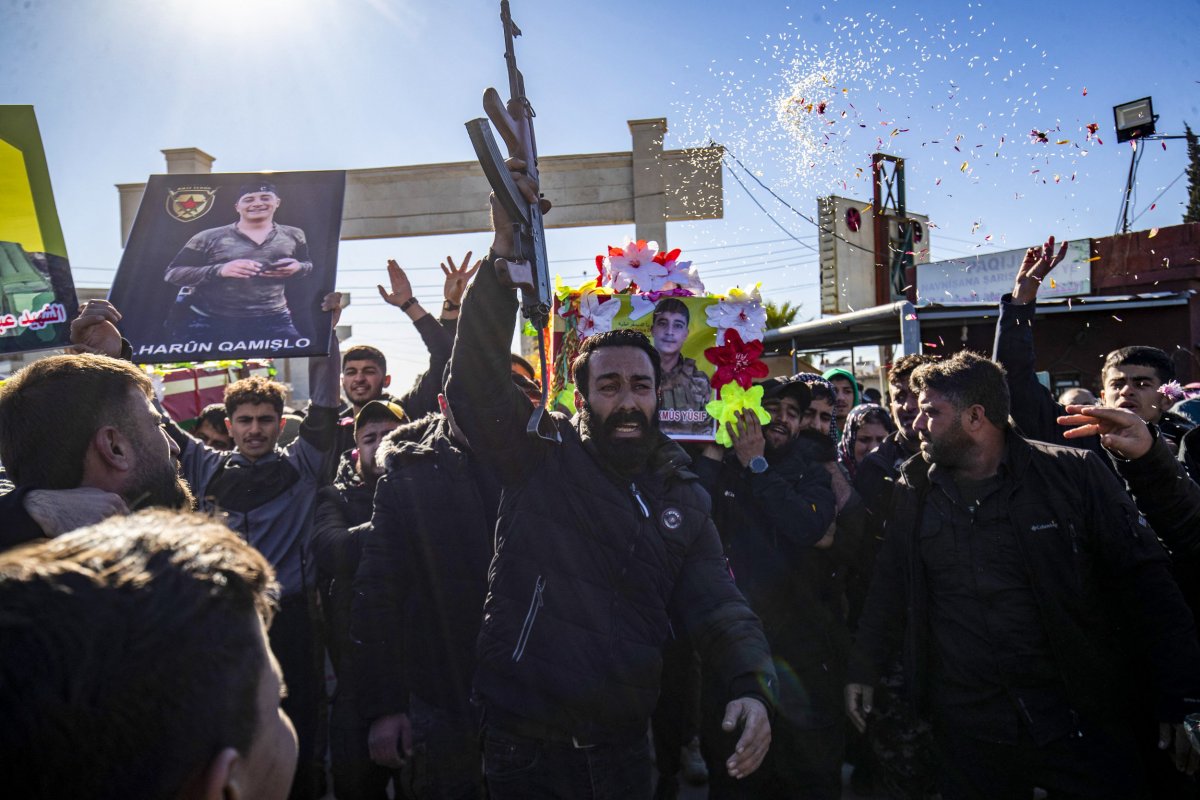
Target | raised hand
(502,244)
(746,434)
(1034,269)
(457,278)
(333,302)
(401,287)
(95,329)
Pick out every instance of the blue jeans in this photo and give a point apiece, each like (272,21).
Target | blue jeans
(520,768)
(190,326)
(446,763)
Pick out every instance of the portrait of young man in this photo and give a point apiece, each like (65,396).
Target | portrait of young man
(230,266)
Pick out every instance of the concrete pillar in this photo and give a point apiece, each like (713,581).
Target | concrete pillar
(649,183)
(180,161)
(188,161)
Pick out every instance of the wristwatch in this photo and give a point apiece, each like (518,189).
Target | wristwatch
(409,303)
(448,306)
(757,465)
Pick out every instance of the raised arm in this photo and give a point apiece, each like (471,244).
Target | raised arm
(1033,408)
(436,334)
(489,409)
(315,444)
(1159,484)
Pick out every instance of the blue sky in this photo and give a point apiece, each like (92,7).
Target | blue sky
(311,84)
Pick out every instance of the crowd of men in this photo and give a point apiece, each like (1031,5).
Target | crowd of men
(966,590)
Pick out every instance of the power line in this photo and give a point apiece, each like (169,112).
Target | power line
(761,208)
(1160,194)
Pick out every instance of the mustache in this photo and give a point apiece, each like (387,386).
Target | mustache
(618,418)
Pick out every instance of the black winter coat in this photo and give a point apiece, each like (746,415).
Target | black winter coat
(590,568)
(1100,576)
(1170,500)
(423,576)
(769,523)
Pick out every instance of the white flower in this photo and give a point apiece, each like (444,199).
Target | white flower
(635,265)
(596,313)
(639,306)
(740,311)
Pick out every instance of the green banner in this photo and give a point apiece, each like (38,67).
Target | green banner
(37,292)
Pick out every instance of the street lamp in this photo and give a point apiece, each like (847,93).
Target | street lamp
(1134,120)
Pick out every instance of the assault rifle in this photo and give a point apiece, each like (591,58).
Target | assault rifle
(528,270)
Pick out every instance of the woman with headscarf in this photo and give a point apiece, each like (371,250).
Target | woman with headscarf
(866,428)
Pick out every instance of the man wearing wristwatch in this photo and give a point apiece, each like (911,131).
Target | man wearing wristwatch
(772,505)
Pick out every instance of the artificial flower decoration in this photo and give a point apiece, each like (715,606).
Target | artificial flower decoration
(1172,393)
(566,398)
(740,311)
(680,274)
(634,265)
(596,313)
(737,362)
(642,304)
(732,400)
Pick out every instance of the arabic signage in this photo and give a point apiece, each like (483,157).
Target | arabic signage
(988,277)
(231,266)
(37,292)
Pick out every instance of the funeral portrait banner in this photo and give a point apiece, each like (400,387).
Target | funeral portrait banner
(37,293)
(231,266)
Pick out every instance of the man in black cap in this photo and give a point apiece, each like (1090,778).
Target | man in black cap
(772,504)
(233,277)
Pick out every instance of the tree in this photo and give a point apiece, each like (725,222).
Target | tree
(1192,214)
(780,316)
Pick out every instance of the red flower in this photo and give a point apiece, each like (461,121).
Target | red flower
(663,258)
(736,361)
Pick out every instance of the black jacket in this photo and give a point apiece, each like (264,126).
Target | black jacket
(339,527)
(590,568)
(343,511)
(423,575)
(1100,576)
(769,523)
(1170,500)
(874,482)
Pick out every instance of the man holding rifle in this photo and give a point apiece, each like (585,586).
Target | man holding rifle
(604,547)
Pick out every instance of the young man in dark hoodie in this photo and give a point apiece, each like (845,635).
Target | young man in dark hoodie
(773,504)
(340,525)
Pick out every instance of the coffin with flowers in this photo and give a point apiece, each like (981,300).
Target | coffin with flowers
(185,389)
(710,344)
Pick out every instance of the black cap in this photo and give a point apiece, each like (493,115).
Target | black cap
(378,410)
(787,387)
(255,187)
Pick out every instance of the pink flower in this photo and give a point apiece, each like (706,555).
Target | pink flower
(680,274)
(634,265)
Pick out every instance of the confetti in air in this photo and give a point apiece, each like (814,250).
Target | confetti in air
(821,95)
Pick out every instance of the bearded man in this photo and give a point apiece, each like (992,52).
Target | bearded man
(604,544)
